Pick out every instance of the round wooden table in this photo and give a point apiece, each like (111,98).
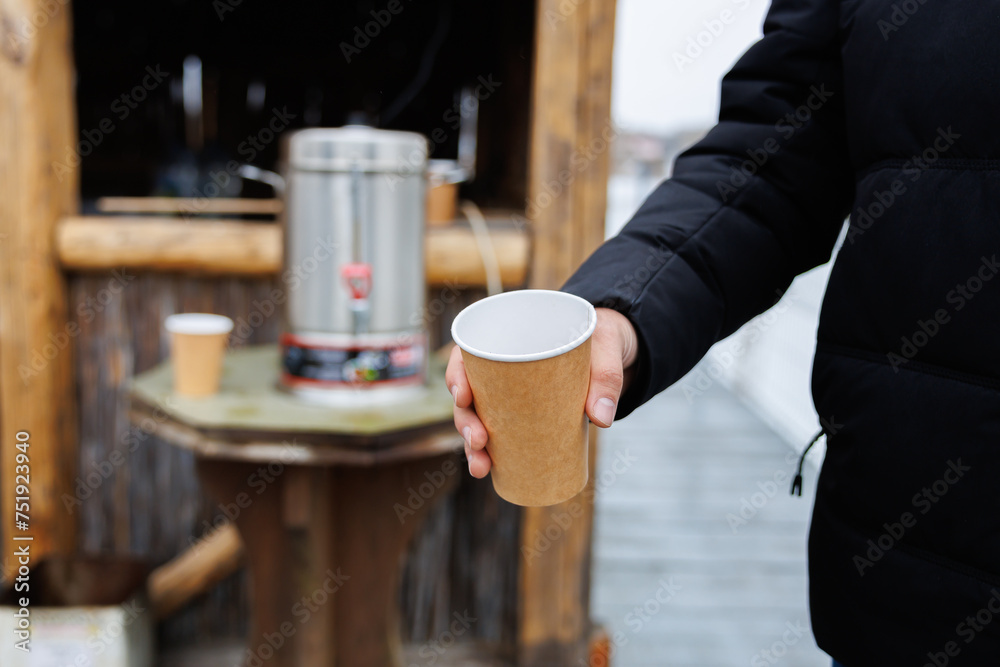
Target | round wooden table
(325,499)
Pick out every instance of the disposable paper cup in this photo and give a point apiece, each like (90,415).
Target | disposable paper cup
(527,357)
(198,343)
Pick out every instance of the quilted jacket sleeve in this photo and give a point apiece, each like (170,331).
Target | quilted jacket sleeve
(759,200)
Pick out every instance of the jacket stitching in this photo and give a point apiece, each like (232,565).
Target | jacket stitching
(920,367)
(943,561)
(942,164)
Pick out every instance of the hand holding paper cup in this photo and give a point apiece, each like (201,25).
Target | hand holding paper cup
(527,358)
(198,344)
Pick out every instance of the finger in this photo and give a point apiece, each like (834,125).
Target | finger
(605,383)
(458,383)
(480,463)
(475,437)
(472,430)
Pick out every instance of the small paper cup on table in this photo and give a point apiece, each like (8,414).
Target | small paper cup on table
(527,357)
(197,344)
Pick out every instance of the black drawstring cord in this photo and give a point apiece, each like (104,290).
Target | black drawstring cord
(797,482)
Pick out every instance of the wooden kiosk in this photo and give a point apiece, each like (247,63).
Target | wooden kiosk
(64,378)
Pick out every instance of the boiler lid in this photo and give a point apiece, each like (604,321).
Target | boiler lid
(356,147)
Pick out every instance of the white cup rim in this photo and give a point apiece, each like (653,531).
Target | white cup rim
(534,356)
(198,324)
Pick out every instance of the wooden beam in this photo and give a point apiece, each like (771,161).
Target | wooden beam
(195,570)
(37,132)
(567,190)
(97,243)
(452,255)
(165,244)
(185,206)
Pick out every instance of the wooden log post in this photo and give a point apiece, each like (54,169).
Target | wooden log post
(207,245)
(568,171)
(37,131)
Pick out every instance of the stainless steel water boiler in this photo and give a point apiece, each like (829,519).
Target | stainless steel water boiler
(354,264)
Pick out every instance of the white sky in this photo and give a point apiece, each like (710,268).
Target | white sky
(651,91)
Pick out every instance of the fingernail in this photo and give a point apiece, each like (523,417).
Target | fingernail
(454,392)
(467,434)
(604,410)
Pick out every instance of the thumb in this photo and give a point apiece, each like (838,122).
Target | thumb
(606,376)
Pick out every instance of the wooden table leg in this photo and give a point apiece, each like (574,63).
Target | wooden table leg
(324,548)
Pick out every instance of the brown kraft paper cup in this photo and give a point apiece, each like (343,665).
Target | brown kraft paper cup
(197,347)
(533,412)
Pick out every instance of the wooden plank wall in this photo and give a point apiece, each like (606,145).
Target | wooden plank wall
(151,505)
(138,495)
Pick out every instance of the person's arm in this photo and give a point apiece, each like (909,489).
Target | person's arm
(759,200)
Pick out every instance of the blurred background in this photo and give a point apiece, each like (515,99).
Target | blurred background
(719,449)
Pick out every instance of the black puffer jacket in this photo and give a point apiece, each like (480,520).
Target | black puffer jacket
(889,111)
